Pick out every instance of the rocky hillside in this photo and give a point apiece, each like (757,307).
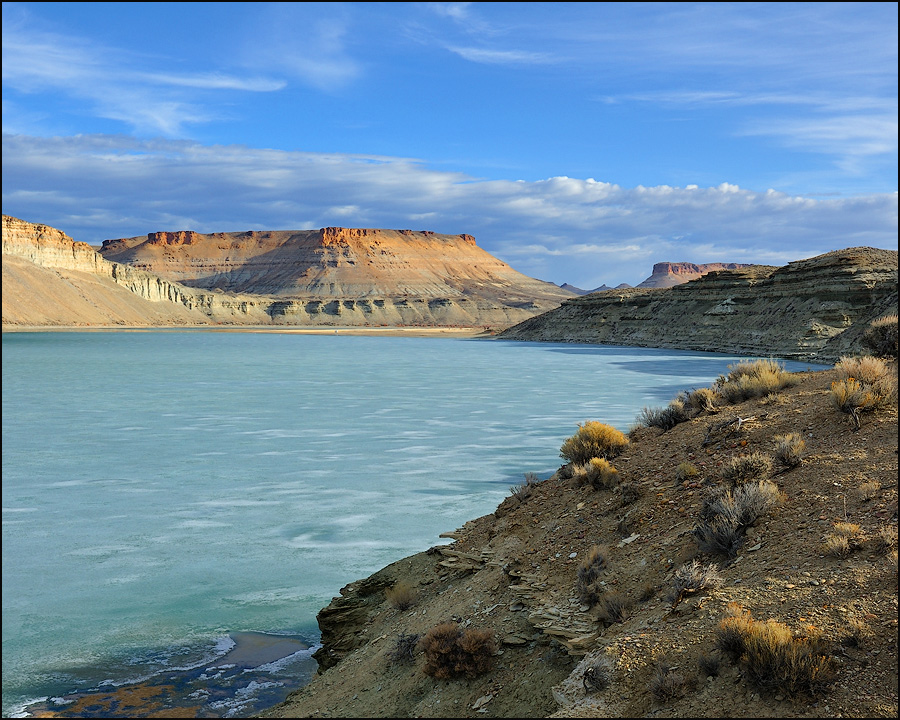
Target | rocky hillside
(811,309)
(644,638)
(333,276)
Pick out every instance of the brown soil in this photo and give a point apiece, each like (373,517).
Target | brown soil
(513,572)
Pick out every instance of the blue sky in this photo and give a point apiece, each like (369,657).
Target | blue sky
(579,142)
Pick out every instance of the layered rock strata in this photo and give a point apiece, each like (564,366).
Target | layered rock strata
(332,276)
(813,310)
(335,263)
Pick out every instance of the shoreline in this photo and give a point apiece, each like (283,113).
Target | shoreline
(391,331)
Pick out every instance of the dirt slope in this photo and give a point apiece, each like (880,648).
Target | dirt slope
(513,573)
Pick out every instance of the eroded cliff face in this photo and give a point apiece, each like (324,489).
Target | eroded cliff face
(334,263)
(332,276)
(812,310)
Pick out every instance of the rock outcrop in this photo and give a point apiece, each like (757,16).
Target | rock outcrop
(670,274)
(332,276)
(813,310)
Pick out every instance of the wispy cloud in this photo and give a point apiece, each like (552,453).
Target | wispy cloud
(502,57)
(112,81)
(581,231)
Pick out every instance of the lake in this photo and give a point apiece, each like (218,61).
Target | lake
(169,496)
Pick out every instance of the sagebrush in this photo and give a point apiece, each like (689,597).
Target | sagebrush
(452,652)
(593,440)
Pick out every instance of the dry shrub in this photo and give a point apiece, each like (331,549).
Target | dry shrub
(709,665)
(881,336)
(702,400)
(838,546)
(866,369)
(886,540)
(404,650)
(523,490)
(844,540)
(666,418)
(601,474)
(589,570)
(864,384)
(593,440)
(613,607)
(868,490)
(401,595)
(648,592)
(630,492)
(686,472)
(727,513)
(749,467)
(597,676)
(773,656)
(452,652)
(693,577)
(789,449)
(855,634)
(733,630)
(668,682)
(753,379)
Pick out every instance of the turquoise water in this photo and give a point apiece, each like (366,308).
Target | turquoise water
(164,489)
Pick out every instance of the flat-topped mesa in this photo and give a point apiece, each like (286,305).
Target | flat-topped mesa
(179,237)
(337,234)
(669,274)
(339,263)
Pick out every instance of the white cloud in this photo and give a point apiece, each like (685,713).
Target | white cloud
(561,229)
(501,57)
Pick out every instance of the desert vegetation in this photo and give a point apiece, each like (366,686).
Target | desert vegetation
(453,652)
(881,336)
(593,440)
(864,384)
(773,656)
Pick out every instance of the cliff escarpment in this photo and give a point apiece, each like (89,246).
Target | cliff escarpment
(333,276)
(334,263)
(812,309)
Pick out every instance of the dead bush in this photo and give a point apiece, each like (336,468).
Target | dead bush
(451,652)
(401,595)
(404,650)
(613,607)
(589,571)
(693,577)
(666,418)
(630,492)
(727,513)
(597,676)
(668,682)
